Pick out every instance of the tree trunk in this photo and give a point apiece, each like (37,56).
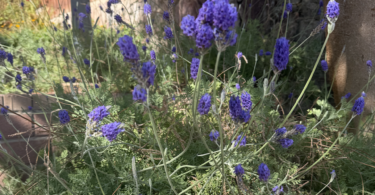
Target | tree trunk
(349,47)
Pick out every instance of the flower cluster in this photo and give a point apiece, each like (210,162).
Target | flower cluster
(194,68)
(147,9)
(64,117)
(4,110)
(152,55)
(128,49)
(88,8)
(148,29)
(236,109)
(238,170)
(111,130)
(333,9)
(204,104)
(81,16)
(215,21)
(324,65)
(66,79)
(188,25)
(149,70)
(214,135)
(282,136)
(139,94)
(27,70)
(168,33)
(242,142)
(166,16)
(263,172)
(358,106)
(98,113)
(86,61)
(281,56)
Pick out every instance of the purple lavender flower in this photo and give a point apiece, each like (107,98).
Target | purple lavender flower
(98,113)
(191,51)
(254,79)
(168,33)
(268,53)
(238,170)
(235,109)
(239,55)
(86,61)
(147,40)
(148,29)
(174,49)
(324,24)
(111,130)
(26,70)
(144,48)
(261,52)
(280,131)
(214,135)
(139,94)
(358,106)
(363,94)
(73,79)
(41,51)
(238,86)
(246,101)
(31,91)
(205,13)
(149,71)
(10,58)
(3,55)
(81,16)
(281,56)
(243,141)
(64,117)
(285,142)
(174,57)
(30,108)
(96,86)
(225,15)
(204,104)
(118,31)
(263,172)
(245,116)
(288,7)
(300,128)
(88,9)
(166,16)
(277,189)
(204,35)
(285,15)
(324,65)
(66,79)
(152,55)
(369,63)
(3,110)
(188,25)
(128,49)
(18,78)
(19,86)
(101,8)
(333,9)
(113,1)
(174,97)
(347,96)
(22,4)
(147,9)
(118,19)
(194,68)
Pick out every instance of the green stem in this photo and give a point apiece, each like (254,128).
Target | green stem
(160,146)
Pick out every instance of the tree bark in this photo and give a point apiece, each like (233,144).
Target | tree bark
(349,47)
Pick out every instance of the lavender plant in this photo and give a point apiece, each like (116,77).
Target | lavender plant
(172,133)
